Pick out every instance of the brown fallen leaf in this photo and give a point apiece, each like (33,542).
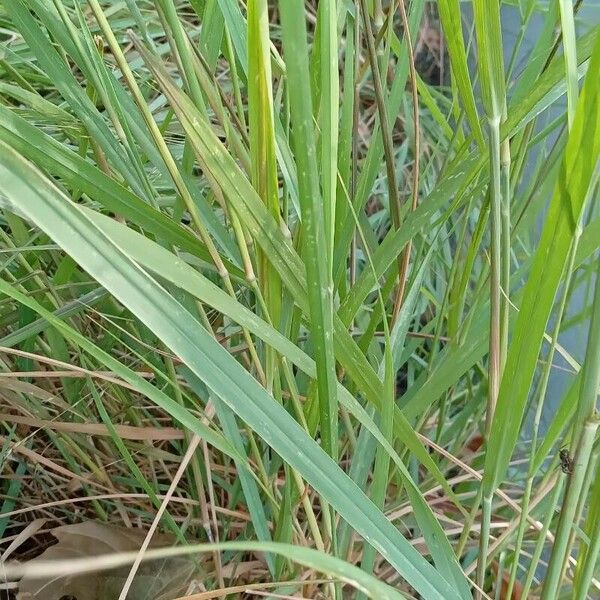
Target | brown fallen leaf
(156,580)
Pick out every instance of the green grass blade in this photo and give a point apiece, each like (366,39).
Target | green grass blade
(451,18)
(318,277)
(567,21)
(329,118)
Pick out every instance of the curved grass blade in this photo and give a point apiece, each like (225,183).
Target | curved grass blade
(314,559)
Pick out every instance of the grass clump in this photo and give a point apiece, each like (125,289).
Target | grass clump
(285,290)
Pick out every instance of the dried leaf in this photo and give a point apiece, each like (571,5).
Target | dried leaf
(164,579)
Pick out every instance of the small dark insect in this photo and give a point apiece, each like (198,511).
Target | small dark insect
(566,461)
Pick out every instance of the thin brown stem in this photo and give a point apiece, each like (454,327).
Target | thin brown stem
(417,158)
(386,136)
